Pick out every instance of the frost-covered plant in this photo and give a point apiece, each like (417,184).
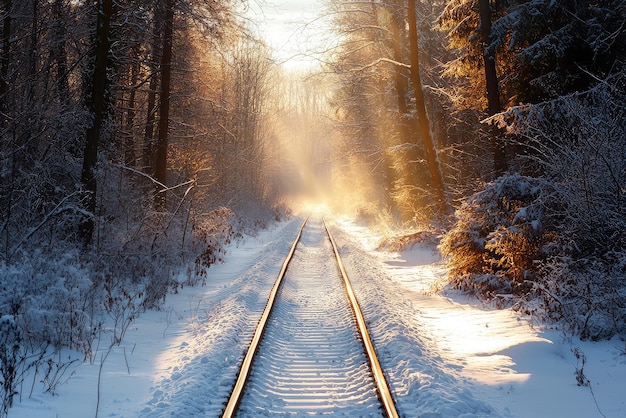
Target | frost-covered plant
(10,344)
(578,143)
(46,302)
(500,233)
(50,299)
(212,231)
(587,295)
(559,238)
(56,294)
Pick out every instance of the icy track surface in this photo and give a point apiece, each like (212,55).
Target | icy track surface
(445,355)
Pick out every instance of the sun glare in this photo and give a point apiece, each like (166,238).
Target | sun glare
(290,28)
(478,342)
(313,208)
(481,338)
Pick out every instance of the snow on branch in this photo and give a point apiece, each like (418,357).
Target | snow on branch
(58,209)
(379,61)
(163,187)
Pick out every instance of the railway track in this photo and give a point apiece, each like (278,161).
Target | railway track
(311,352)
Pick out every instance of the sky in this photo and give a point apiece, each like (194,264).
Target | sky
(291,28)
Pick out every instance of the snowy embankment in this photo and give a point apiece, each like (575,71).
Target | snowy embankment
(445,355)
(181,360)
(448,356)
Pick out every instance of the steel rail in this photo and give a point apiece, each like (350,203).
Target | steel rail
(379,377)
(244,372)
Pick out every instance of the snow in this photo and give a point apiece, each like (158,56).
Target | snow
(518,370)
(444,353)
(314,325)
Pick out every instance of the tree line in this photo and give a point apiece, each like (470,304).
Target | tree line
(133,139)
(499,123)
(165,91)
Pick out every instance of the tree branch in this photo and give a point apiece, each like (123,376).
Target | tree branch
(379,61)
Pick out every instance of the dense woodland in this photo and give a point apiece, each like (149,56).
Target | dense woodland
(502,125)
(137,137)
(132,143)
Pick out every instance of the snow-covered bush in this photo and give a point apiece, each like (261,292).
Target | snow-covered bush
(212,231)
(56,293)
(578,142)
(559,237)
(10,344)
(46,302)
(500,234)
(50,299)
(588,295)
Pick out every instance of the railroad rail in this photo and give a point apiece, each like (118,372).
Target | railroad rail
(312,325)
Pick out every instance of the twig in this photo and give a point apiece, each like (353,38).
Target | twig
(162,186)
(382,60)
(102,360)
(126,360)
(595,401)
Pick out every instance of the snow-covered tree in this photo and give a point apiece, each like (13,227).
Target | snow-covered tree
(560,47)
(80,109)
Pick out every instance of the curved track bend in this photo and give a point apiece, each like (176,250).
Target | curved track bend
(311,353)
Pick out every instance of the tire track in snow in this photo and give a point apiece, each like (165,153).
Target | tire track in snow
(311,360)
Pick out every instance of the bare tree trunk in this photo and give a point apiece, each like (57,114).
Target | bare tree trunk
(491,81)
(400,81)
(164,108)
(129,142)
(60,54)
(7,5)
(429,147)
(148,137)
(152,110)
(33,55)
(6,186)
(97,105)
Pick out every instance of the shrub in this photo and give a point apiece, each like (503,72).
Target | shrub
(557,241)
(588,295)
(10,343)
(500,234)
(212,232)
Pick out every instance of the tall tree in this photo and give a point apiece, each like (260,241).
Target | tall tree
(424,125)
(7,6)
(251,71)
(97,105)
(397,22)
(489,59)
(400,76)
(560,47)
(59,53)
(33,50)
(164,106)
(491,82)
(151,106)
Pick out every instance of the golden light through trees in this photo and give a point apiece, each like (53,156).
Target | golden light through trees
(292,29)
(361,50)
(136,136)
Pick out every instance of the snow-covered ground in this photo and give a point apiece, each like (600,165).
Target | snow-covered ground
(468,354)
(446,356)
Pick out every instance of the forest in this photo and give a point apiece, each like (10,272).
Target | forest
(140,136)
